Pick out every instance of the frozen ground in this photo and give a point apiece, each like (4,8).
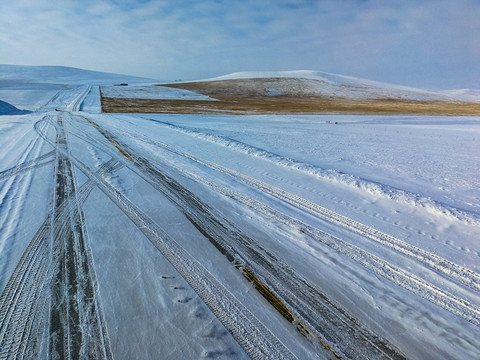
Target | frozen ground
(147,236)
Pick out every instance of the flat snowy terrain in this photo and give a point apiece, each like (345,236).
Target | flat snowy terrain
(153,236)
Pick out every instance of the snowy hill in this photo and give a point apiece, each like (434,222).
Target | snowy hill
(32,87)
(464,94)
(316,83)
(62,75)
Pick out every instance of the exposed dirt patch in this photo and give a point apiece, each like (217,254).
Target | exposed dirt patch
(288,106)
(250,96)
(254,88)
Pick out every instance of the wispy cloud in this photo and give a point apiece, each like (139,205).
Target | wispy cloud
(430,43)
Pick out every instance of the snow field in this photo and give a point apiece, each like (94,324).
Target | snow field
(371,219)
(170,137)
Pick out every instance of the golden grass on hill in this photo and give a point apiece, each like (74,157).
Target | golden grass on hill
(244,97)
(288,106)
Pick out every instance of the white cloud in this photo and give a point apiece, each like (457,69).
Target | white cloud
(409,41)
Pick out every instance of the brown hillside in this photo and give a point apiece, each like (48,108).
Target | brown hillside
(253,96)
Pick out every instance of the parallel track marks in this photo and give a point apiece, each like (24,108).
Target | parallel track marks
(280,277)
(447,268)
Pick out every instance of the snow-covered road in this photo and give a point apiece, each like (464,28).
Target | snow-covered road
(147,236)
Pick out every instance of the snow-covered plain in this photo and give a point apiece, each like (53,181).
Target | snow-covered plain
(366,227)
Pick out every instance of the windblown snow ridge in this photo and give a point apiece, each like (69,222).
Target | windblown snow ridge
(395,194)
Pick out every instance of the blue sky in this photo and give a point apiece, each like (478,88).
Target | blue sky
(432,44)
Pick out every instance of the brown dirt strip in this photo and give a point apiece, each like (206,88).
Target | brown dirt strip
(234,101)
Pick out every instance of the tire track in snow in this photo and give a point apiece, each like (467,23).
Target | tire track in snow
(70,99)
(20,294)
(403,278)
(27,166)
(14,192)
(447,268)
(24,303)
(76,104)
(390,192)
(306,305)
(76,326)
(250,333)
(310,306)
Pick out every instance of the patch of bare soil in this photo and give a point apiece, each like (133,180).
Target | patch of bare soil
(251,96)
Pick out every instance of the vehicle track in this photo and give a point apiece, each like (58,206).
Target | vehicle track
(14,191)
(26,303)
(76,104)
(403,278)
(27,291)
(75,325)
(251,334)
(447,268)
(20,295)
(27,165)
(388,191)
(67,99)
(444,299)
(308,304)
(420,287)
